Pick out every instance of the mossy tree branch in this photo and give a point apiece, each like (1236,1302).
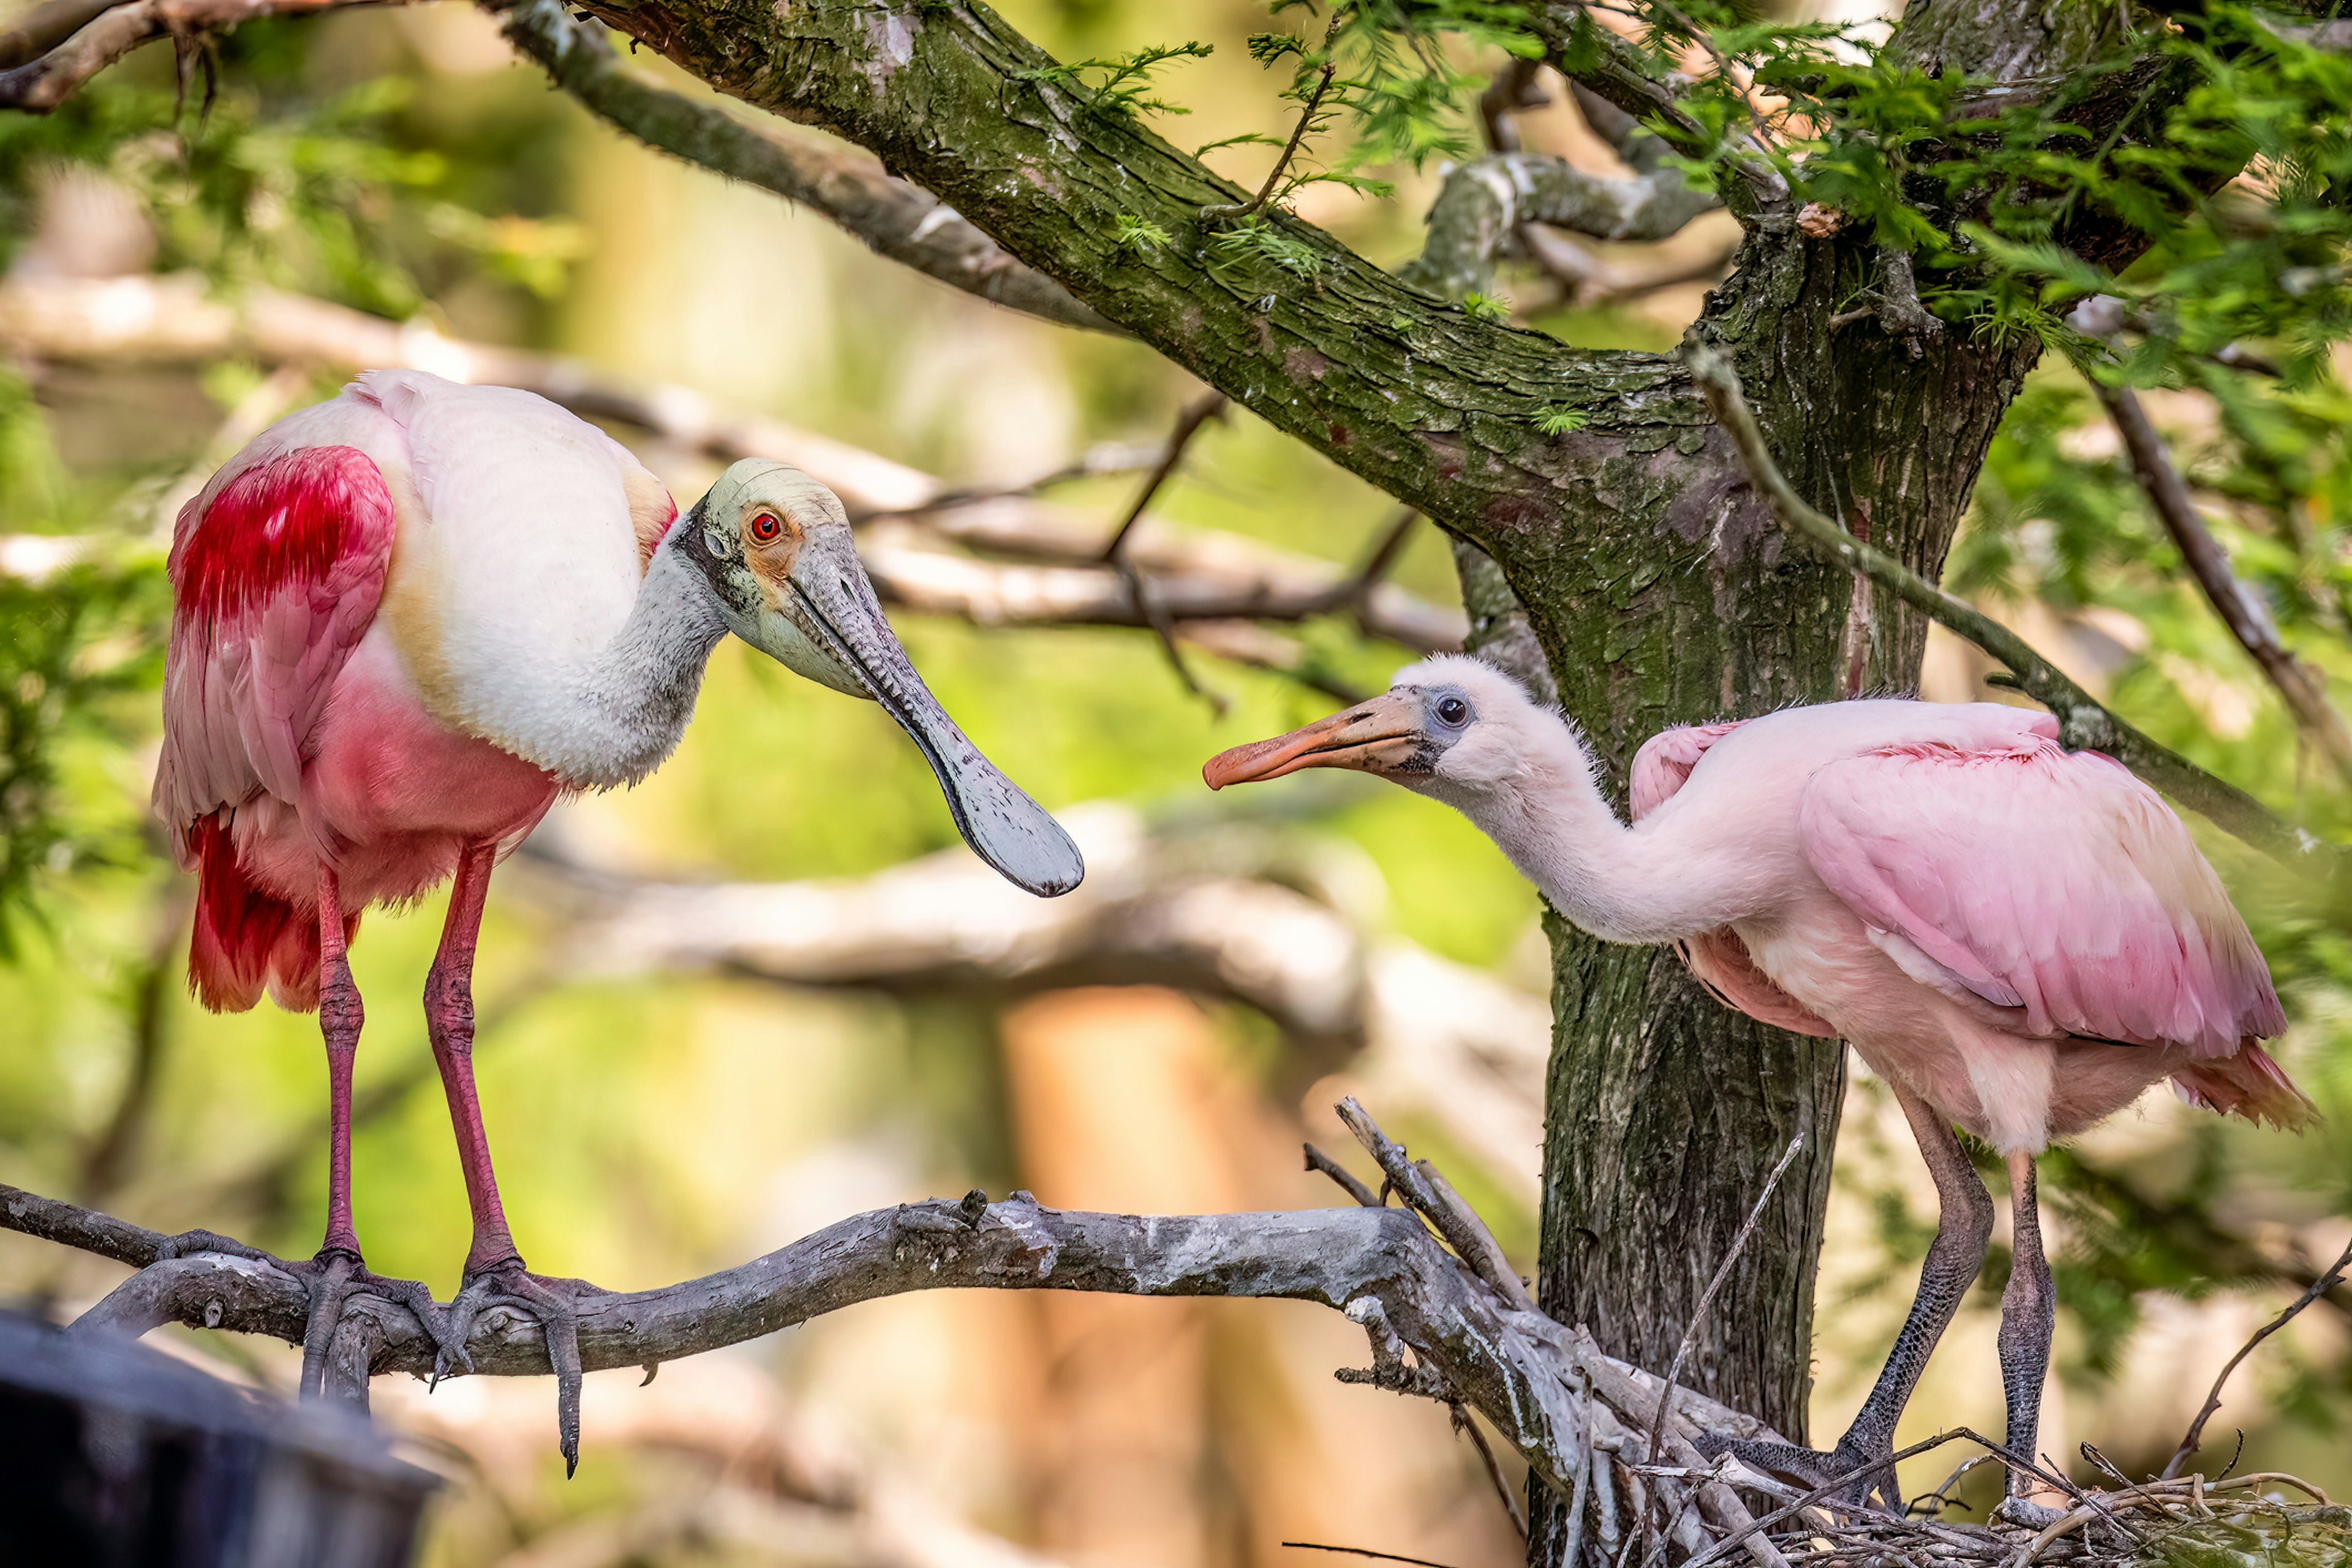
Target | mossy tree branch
(1440,409)
(897,220)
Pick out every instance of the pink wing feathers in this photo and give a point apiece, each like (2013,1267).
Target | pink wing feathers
(2021,875)
(1718,959)
(276,576)
(1664,763)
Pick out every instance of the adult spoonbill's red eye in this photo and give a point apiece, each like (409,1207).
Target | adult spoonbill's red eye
(347,723)
(2017,938)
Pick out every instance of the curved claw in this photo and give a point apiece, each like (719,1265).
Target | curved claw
(549,1303)
(331,1279)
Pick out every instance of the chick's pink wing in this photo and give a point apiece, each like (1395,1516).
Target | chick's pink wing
(276,576)
(1718,959)
(1664,763)
(2017,875)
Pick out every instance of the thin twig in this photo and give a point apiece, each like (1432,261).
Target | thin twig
(2084,723)
(1429,1194)
(2167,495)
(1707,1297)
(1511,1508)
(2319,1286)
(1361,1551)
(1187,425)
(1290,149)
(1318,1161)
(1116,553)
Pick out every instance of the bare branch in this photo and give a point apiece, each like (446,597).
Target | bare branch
(895,219)
(1318,1161)
(1197,577)
(2319,1286)
(47,25)
(1511,1365)
(103,35)
(2083,721)
(2302,687)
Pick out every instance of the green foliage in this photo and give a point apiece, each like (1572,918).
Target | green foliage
(1140,234)
(1487,308)
(74,649)
(333,194)
(1559,419)
(1254,242)
(1123,87)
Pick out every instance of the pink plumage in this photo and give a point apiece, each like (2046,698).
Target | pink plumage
(297,728)
(2044,893)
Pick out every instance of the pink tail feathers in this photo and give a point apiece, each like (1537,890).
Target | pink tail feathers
(2250,1084)
(247,940)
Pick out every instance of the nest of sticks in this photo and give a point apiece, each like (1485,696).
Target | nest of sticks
(2256,1521)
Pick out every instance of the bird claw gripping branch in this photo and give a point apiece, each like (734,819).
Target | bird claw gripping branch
(553,1305)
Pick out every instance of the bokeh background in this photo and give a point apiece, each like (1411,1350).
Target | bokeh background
(662,1106)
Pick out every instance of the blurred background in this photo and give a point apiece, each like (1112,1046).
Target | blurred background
(766,989)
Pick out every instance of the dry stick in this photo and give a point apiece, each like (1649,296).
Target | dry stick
(1722,1549)
(2084,723)
(1318,1161)
(2248,621)
(1362,1552)
(2319,1286)
(1573,1552)
(1707,1297)
(1115,554)
(1511,1508)
(1430,1195)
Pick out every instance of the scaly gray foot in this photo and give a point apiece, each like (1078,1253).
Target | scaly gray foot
(1856,1468)
(553,1305)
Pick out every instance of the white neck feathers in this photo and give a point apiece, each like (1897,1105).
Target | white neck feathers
(613,715)
(1649,884)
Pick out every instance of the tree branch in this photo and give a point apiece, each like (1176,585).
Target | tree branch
(892,218)
(1481,203)
(102,35)
(1200,578)
(2084,723)
(1424,401)
(2168,496)
(1526,1374)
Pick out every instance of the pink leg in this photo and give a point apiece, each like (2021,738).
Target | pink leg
(494,1268)
(449,1020)
(340,1017)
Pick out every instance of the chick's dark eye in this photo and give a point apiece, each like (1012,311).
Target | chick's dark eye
(1452,710)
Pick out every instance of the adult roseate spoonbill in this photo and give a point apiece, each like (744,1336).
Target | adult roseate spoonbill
(2017,938)
(405,621)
